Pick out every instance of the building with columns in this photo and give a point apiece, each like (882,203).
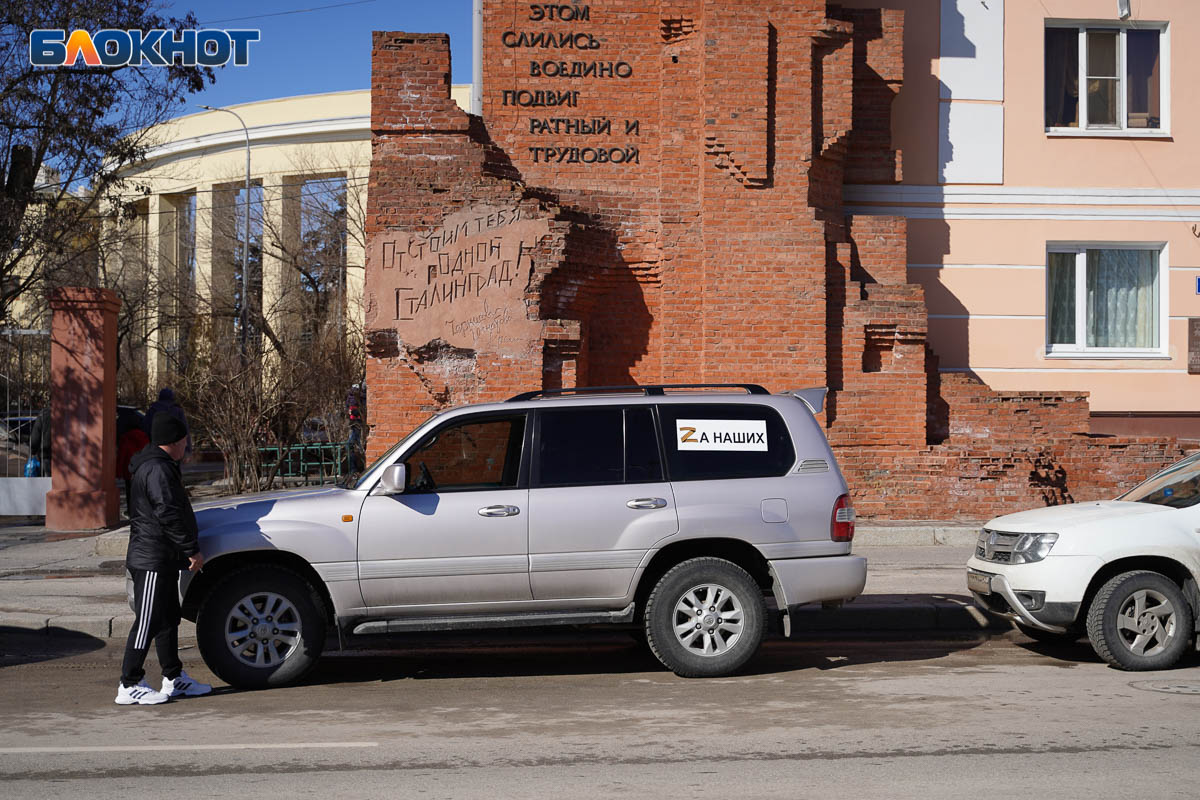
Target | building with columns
(179,228)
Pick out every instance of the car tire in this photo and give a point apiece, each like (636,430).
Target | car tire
(728,609)
(254,605)
(1140,620)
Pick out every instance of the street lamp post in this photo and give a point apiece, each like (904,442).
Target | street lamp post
(246,234)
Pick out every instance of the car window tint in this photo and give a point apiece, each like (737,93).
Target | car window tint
(580,446)
(473,454)
(713,441)
(643,464)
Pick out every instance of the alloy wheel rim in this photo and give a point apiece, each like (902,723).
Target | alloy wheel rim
(262,629)
(708,620)
(1146,622)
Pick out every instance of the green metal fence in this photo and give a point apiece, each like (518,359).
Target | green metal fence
(313,464)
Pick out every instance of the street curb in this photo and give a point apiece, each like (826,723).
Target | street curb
(915,535)
(102,627)
(114,543)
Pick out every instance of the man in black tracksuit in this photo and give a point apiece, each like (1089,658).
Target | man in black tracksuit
(162,541)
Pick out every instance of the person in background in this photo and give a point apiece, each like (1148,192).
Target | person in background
(130,439)
(355,443)
(166,402)
(39,442)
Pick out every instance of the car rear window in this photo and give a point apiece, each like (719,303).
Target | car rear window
(714,441)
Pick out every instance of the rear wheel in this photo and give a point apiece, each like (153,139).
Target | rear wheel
(261,627)
(705,618)
(1140,621)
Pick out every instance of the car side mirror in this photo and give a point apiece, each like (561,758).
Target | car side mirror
(393,479)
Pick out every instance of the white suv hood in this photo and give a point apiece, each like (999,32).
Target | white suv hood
(1055,519)
(252,509)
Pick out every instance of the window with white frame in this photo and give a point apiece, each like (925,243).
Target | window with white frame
(1120,69)
(1105,299)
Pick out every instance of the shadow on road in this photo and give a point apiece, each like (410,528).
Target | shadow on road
(21,646)
(1079,651)
(557,653)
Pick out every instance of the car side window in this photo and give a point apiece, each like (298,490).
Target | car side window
(474,454)
(578,446)
(714,441)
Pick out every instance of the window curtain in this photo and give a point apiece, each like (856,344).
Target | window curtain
(1122,298)
(1062,77)
(1062,298)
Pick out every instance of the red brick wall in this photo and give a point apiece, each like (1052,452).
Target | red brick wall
(1006,451)
(717,100)
(688,158)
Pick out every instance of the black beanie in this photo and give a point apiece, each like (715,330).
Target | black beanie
(165,429)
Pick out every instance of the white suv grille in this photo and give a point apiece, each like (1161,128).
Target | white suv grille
(995,546)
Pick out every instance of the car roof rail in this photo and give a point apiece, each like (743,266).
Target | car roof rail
(656,390)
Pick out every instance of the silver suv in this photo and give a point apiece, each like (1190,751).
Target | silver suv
(679,511)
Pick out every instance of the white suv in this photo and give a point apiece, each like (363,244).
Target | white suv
(1124,571)
(678,510)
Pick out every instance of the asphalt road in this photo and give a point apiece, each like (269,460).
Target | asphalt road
(592,716)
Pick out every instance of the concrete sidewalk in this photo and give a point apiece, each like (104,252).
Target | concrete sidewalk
(75,584)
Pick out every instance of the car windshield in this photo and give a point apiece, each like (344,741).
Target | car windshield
(371,473)
(1177,486)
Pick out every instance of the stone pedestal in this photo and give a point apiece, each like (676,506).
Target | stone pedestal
(83,418)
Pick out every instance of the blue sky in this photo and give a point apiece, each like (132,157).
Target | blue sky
(324,50)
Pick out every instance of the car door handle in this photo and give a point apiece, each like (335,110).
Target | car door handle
(647,502)
(499,511)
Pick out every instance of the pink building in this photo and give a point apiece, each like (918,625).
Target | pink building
(1049,169)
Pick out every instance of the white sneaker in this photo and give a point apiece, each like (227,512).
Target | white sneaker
(140,695)
(184,686)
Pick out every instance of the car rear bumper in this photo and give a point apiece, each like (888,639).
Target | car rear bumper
(813,580)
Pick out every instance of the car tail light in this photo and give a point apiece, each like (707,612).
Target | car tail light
(841,525)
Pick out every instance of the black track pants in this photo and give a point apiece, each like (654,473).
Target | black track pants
(156,606)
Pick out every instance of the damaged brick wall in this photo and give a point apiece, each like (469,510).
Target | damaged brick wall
(1004,452)
(913,443)
(457,252)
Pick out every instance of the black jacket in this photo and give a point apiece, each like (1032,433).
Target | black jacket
(162,526)
(39,436)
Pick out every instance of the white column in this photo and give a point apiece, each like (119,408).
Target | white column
(281,237)
(160,267)
(356,250)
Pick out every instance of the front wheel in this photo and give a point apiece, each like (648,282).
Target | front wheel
(1140,620)
(705,618)
(261,627)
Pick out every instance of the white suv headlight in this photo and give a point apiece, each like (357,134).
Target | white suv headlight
(1031,547)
